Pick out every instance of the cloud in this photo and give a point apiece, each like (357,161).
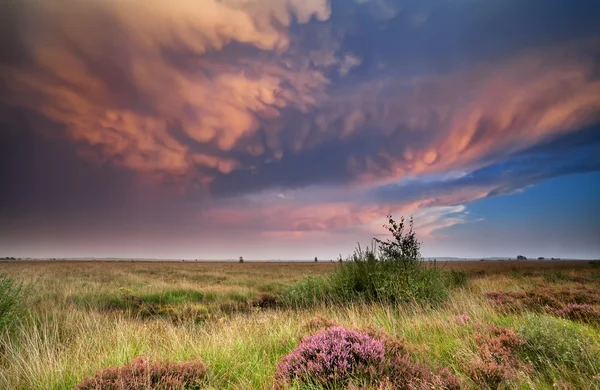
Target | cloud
(230,99)
(466,119)
(563,155)
(121,75)
(239,95)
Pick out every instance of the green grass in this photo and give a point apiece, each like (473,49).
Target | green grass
(66,333)
(11,300)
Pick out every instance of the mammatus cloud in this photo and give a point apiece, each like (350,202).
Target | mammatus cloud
(205,91)
(243,95)
(81,52)
(465,120)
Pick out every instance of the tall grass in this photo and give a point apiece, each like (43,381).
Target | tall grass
(59,342)
(11,300)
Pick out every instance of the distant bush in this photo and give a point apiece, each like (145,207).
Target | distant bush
(552,342)
(388,272)
(142,374)
(342,358)
(11,301)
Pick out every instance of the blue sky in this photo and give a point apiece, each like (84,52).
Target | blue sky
(290,128)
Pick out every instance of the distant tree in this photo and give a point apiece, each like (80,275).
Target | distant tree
(521,257)
(241,259)
(541,258)
(316,259)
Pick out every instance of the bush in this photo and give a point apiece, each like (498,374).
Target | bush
(11,301)
(394,272)
(341,358)
(573,303)
(584,313)
(142,374)
(552,342)
(496,361)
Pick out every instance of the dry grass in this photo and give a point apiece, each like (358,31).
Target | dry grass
(67,336)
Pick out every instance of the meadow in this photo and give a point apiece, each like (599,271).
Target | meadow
(78,318)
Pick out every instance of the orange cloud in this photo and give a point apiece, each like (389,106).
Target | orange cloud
(80,51)
(157,87)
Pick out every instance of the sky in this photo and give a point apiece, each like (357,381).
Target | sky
(289,129)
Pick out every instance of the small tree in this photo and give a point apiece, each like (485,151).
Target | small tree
(241,259)
(404,248)
(316,259)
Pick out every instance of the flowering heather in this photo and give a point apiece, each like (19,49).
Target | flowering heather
(496,360)
(334,355)
(141,374)
(350,359)
(547,300)
(584,313)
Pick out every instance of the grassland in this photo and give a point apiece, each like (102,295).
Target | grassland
(81,317)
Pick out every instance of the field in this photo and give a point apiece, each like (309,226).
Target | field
(82,317)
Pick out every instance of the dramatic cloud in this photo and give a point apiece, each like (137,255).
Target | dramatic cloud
(291,119)
(112,73)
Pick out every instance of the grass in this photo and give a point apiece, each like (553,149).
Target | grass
(70,331)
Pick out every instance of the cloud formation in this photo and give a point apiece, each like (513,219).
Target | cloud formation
(345,110)
(111,73)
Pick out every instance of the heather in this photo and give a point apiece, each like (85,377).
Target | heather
(143,374)
(496,362)
(337,357)
(577,303)
(230,317)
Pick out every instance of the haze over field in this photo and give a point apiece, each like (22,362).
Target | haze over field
(288,129)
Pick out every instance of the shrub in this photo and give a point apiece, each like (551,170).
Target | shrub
(584,313)
(496,361)
(341,358)
(142,374)
(392,273)
(552,342)
(578,299)
(11,300)
(333,356)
